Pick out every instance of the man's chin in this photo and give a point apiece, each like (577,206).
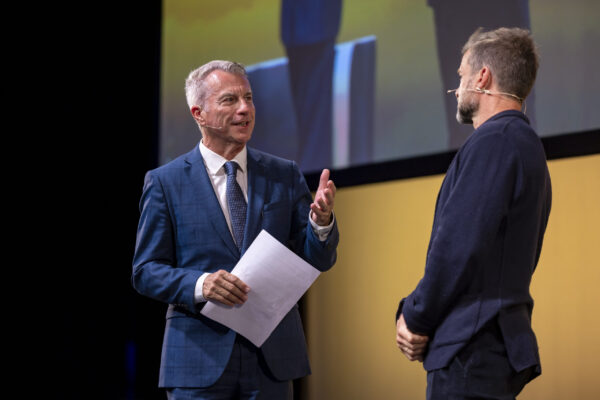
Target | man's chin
(242,137)
(464,119)
(465,113)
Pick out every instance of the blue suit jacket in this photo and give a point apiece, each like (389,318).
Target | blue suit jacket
(489,223)
(182,233)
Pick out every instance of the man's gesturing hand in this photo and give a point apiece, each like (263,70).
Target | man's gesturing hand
(225,288)
(412,345)
(322,206)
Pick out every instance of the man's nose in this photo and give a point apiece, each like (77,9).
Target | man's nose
(245,106)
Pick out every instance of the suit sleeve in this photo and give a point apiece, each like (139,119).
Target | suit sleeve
(465,226)
(154,272)
(320,254)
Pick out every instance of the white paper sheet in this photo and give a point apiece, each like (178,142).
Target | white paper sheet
(277,278)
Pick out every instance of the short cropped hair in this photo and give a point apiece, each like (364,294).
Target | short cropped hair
(195,91)
(511,55)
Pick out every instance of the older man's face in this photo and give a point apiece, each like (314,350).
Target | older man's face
(228,110)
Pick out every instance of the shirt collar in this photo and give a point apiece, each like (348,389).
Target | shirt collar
(214,162)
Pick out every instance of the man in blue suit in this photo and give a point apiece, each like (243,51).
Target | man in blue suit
(189,238)
(469,318)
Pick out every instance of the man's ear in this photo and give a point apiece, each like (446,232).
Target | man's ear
(484,78)
(197,114)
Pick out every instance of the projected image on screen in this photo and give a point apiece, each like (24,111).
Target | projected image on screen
(343,83)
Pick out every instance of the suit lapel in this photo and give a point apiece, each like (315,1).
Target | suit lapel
(257,186)
(206,197)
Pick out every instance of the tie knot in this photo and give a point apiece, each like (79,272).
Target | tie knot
(230,168)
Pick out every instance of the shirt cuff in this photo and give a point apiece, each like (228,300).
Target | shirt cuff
(198,296)
(322,232)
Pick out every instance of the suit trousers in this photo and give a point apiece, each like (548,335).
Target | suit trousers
(481,370)
(246,377)
(311,76)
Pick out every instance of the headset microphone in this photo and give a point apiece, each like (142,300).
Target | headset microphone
(213,127)
(485,91)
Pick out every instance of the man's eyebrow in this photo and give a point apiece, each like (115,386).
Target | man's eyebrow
(226,94)
(232,94)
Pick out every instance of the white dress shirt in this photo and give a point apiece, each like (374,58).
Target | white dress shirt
(214,167)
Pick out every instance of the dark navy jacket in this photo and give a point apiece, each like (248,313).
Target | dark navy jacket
(490,218)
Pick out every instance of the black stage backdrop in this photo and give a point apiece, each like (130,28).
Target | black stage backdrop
(94,68)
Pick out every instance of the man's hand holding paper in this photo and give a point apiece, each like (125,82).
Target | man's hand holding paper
(278,278)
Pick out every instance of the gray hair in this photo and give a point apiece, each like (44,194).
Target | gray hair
(195,91)
(511,55)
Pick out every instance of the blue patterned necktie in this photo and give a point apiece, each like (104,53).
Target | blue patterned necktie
(236,203)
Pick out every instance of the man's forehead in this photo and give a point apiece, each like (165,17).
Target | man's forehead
(219,80)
